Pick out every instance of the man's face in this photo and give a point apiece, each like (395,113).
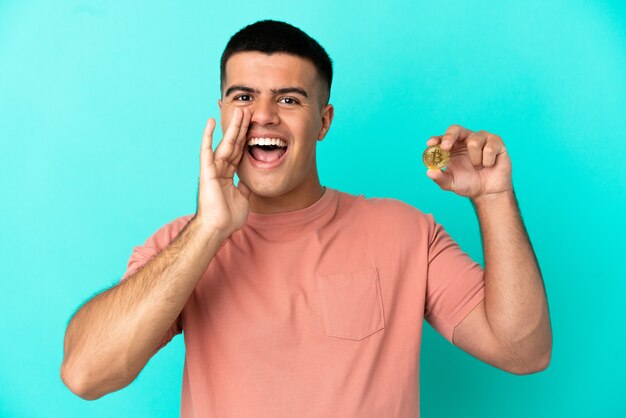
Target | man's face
(283,94)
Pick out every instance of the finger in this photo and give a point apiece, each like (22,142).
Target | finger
(225,149)
(453,134)
(229,163)
(434,140)
(206,148)
(475,144)
(240,142)
(493,148)
(442,178)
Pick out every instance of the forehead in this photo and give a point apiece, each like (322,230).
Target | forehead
(277,70)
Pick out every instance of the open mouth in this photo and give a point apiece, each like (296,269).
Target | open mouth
(267,150)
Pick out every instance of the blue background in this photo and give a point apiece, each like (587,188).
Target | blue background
(102,106)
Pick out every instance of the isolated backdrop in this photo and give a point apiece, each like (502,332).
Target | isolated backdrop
(102,105)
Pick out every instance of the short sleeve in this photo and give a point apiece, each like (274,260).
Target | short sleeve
(151,248)
(455,283)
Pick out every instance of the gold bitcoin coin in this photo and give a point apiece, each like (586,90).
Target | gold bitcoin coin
(436,158)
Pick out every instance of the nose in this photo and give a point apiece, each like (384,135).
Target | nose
(264,112)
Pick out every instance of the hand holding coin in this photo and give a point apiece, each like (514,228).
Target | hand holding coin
(476,163)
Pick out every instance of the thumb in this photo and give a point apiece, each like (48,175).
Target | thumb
(442,178)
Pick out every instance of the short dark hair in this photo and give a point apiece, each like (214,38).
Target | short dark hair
(271,36)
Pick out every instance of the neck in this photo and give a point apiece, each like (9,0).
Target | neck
(294,200)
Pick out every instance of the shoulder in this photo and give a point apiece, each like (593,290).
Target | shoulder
(390,208)
(155,243)
(391,214)
(162,237)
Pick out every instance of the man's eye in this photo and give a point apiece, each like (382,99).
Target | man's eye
(243,98)
(288,100)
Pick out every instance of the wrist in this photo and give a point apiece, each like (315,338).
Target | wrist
(217,235)
(490,199)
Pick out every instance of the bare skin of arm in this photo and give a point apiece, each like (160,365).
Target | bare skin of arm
(515,309)
(511,328)
(112,337)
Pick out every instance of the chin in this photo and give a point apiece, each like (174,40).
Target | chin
(269,187)
(266,190)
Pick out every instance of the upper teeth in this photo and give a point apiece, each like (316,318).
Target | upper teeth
(267,141)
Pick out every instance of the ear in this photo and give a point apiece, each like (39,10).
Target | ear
(219,103)
(328,112)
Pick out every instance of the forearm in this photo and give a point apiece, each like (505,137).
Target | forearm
(515,298)
(111,338)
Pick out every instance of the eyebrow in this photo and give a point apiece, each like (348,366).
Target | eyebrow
(285,90)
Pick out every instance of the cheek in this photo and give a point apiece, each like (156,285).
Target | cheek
(307,151)
(224,120)
(307,126)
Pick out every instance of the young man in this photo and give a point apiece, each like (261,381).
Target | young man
(300,300)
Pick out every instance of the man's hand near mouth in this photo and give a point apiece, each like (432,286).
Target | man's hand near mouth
(222,207)
(112,337)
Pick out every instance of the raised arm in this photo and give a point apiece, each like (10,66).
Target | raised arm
(511,328)
(111,338)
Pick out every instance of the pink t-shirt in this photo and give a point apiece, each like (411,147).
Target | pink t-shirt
(319,312)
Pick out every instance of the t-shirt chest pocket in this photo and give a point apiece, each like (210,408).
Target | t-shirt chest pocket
(351,304)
